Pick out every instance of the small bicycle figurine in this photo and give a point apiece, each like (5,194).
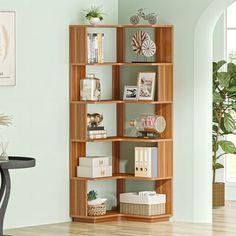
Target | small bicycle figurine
(151,17)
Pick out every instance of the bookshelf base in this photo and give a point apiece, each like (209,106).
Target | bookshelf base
(116,216)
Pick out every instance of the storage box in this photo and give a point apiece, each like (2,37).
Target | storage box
(133,204)
(94,161)
(94,171)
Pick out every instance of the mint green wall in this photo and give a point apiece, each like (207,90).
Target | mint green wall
(184,15)
(39,107)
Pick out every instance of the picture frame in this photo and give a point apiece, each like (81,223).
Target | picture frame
(7,48)
(130,93)
(146,85)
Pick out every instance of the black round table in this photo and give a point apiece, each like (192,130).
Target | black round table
(13,163)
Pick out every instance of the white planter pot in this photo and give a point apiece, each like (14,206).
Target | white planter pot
(94,21)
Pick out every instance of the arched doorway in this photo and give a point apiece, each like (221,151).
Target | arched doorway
(203,109)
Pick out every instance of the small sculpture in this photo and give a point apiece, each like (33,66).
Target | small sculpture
(4,156)
(94,119)
(151,17)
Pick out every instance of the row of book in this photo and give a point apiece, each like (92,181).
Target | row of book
(146,162)
(96,132)
(95,47)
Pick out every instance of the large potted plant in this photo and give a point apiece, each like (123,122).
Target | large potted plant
(224,110)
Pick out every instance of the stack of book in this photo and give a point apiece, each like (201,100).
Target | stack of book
(146,162)
(95,47)
(96,132)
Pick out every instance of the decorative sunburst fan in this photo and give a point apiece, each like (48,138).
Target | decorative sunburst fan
(137,40)
(148,48)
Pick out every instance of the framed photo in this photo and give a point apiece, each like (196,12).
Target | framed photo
(7,48)
(146,85)
(130,93)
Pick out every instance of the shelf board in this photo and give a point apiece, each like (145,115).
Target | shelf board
(123,64)
(114,215)
(124,139)
(121,102)
(123,176)
(124,26)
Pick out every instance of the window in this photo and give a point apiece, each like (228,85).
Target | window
(230,161)
(231,33)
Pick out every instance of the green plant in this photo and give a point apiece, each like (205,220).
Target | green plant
(224,112)
(94,12)
(92,195)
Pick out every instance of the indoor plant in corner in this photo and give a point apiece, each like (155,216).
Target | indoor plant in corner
(94,15)
(224,110)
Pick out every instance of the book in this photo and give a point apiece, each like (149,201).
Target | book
(95,45)
(97,136)
(95,128)
(97,132)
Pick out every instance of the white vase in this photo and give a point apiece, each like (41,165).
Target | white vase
(94,21)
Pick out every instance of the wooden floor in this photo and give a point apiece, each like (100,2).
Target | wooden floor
(224,224)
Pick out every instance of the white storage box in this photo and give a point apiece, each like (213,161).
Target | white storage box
(135,198)
(94,172)
(134,204)
(94,161)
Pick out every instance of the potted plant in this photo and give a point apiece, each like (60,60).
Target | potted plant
(224,110)
(94,15)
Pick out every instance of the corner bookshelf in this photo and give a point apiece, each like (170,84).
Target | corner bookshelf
(163,37)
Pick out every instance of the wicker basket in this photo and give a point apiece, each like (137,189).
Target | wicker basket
(143,209)
(218,194)
(97,210)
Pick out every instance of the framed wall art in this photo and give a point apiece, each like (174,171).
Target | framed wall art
(7,48)
(146,85)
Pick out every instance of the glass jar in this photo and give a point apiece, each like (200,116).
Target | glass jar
(90,88)
(149,125)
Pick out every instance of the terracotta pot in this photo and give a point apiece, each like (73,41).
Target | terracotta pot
(218,194)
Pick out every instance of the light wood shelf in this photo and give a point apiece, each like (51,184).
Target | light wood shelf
(121,102)
(123,139)
(124,176)
(163,105)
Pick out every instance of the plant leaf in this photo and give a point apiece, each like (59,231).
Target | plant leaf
(224,79)
(217,98)
(227,146)
(229,122)
(231,68)
(218,166)
(218,65)
(232,89)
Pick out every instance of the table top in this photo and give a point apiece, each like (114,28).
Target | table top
(18,163)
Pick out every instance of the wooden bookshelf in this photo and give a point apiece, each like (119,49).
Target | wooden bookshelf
(163,64)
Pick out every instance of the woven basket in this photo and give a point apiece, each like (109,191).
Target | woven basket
(218,194)
(143,209)
(97,210)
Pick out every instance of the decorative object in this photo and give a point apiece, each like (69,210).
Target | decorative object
(224,108)
(94,15)
(130,93)
(146,164)
(137,40)
(94,119)
(151,17)
(7,48)
(148,48)
(90,88)
(146,85)
(4,156)
(142,204)
(149,126)
(5,120)
(96,206)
